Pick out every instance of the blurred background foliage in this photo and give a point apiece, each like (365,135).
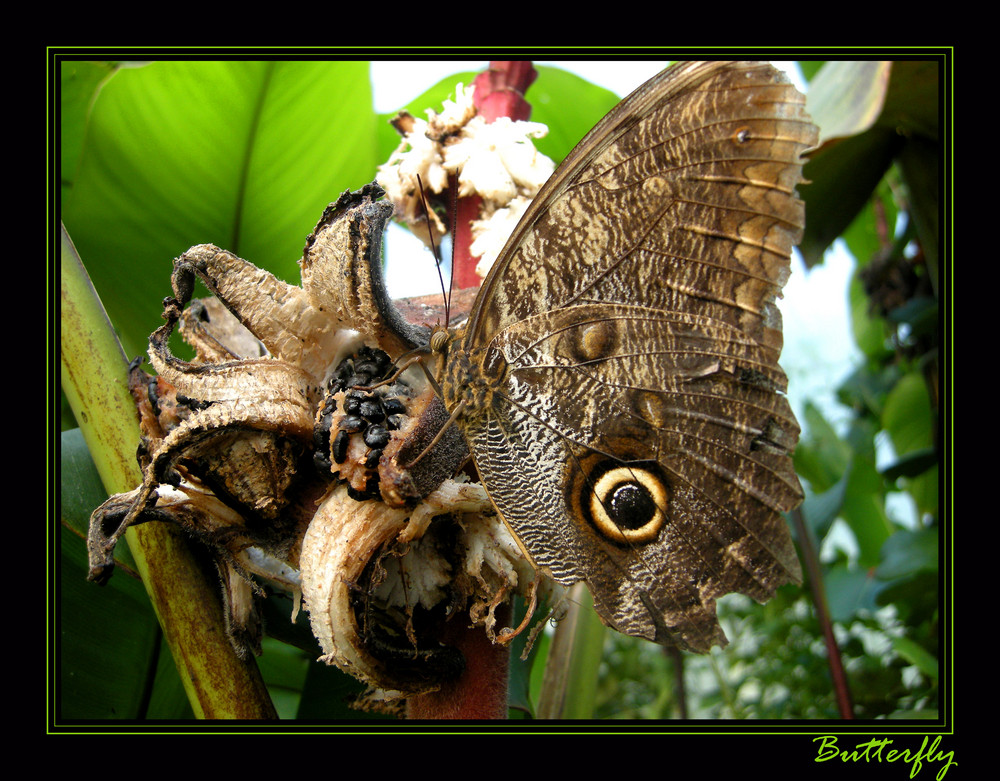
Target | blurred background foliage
(156,157)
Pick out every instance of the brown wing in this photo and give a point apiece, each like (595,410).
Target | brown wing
(682,198)
(628,338)
(686,401)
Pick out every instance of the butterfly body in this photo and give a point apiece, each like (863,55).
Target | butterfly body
(617,381)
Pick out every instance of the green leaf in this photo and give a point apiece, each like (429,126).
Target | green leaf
(907,414)
(916,655)
(241,154)
(869,329)
(79,84)
(864,510)
(846,97)
(569,687)
(810,68)
(912,464)
(285,669)
(520,676)
(850,590)
(821,510)
(871,231)
(869,113)
(822,457)
(912,105)
(919,167)
(908,553)
(551,93)
(909,418)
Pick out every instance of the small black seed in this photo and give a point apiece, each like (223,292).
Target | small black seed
(339,448)
(356,495)
(377,436)
(322,464)
(357,379)
(371,411)
(360,395)
(371,491)
(193,404)
(393,422)
(321,431)
(352,424)
(372,459)
(394,406)
(152,393)
(321,436)
(352,405)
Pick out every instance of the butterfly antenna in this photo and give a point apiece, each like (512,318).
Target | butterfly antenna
(453,188)
(434,251)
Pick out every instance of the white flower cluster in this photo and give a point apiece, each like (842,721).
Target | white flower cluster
(497,161)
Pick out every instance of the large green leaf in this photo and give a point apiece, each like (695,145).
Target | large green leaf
(869,113)
(551,93)
(241,154)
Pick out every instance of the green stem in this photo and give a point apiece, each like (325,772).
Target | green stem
(569,686)
(218,684)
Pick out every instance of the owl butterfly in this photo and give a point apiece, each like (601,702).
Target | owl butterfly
(617,381)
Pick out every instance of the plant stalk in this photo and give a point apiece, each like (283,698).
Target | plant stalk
(219,685)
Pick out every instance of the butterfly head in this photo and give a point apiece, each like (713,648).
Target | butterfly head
(440,339)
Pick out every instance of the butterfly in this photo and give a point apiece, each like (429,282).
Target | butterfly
(617,381)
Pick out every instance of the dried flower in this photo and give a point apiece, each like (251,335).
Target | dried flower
(497,161)
(491,233)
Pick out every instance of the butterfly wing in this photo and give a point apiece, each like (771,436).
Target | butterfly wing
(685,192)
(634,433)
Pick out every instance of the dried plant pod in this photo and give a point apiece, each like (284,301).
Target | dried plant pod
(288,417)
(376,580)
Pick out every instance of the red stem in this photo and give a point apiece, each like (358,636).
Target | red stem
(467,209)
(499,93)
(500,90)
(481,691)
(807,543)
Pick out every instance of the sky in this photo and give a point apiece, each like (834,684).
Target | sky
(819,351)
